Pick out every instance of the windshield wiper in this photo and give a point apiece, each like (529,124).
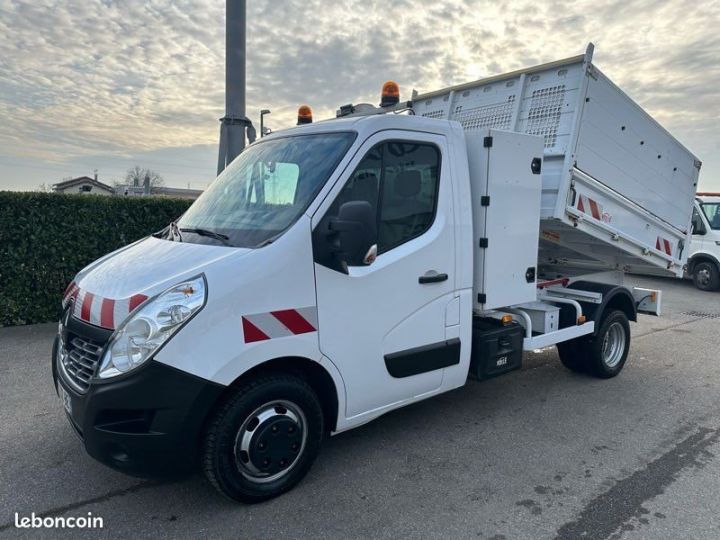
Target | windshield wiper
(174,230)
(211,234)
(170,232)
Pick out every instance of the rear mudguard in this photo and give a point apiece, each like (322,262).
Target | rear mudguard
(613,297)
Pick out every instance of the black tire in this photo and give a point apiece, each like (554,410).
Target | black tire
(706,276)
(263,439)
(573,354)
(588,354)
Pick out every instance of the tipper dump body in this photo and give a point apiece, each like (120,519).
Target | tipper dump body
(617,188)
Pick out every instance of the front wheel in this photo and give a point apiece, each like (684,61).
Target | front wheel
(263,440)
(706,276)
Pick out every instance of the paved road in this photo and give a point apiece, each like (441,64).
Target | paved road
(539,453)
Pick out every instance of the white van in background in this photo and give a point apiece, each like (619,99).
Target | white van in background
(704,256)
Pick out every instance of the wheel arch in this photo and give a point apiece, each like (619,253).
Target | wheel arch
(311,371)
(614,297)
(700,257)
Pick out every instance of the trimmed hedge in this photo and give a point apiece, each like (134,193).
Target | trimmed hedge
(46,238)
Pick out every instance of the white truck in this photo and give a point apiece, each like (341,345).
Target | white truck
(703,264)
(339,270)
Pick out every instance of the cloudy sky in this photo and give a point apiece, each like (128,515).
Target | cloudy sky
(107,84)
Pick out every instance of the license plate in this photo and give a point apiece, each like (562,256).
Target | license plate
(66,400)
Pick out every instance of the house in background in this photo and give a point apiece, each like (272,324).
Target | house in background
(83,184)
(87,185)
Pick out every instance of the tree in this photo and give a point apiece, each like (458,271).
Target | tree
(139,177)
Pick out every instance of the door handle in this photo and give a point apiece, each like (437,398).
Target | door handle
(432,277)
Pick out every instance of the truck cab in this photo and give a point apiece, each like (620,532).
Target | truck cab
(326,268)
(704,260)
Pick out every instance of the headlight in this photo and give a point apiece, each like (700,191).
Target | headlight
(148,328)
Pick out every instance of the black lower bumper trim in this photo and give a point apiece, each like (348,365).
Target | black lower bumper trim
(147,424)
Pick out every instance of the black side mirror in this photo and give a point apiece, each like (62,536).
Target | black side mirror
(698,227)
(356,231)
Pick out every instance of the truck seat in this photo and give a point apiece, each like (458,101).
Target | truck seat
(403,213)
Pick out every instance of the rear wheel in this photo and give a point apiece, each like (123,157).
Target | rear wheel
(572,354)
(609,348)
(706,276)
(263,439)
(603,354)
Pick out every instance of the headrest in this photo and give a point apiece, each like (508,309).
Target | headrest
(365,186)
(408,183)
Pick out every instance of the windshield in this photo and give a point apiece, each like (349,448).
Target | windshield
(712,213)
(266,188)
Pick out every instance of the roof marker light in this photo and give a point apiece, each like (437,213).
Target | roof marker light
(304,115)
(390,94)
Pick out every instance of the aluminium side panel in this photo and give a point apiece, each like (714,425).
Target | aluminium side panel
(617,189)
(601,229)
(542,101)
(620,145)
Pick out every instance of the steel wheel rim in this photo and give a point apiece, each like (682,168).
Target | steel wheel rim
(613,345)
(704,276)
(257,428)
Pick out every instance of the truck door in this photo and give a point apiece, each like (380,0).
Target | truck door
(383,324)
(699,231)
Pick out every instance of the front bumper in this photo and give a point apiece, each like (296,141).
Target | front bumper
(148,423)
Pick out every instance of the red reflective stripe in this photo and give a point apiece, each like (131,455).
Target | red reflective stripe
(136,300)
(252,333)
(69,290)
(560,281)
(668,249)
(664,245)
(594,209)
(106,313)
(581,206)
(294,322)
(85,310)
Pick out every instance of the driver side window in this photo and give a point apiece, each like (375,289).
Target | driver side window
(400,180)
(697,224)
(364,183)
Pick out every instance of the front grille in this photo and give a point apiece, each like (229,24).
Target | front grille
(79,360)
